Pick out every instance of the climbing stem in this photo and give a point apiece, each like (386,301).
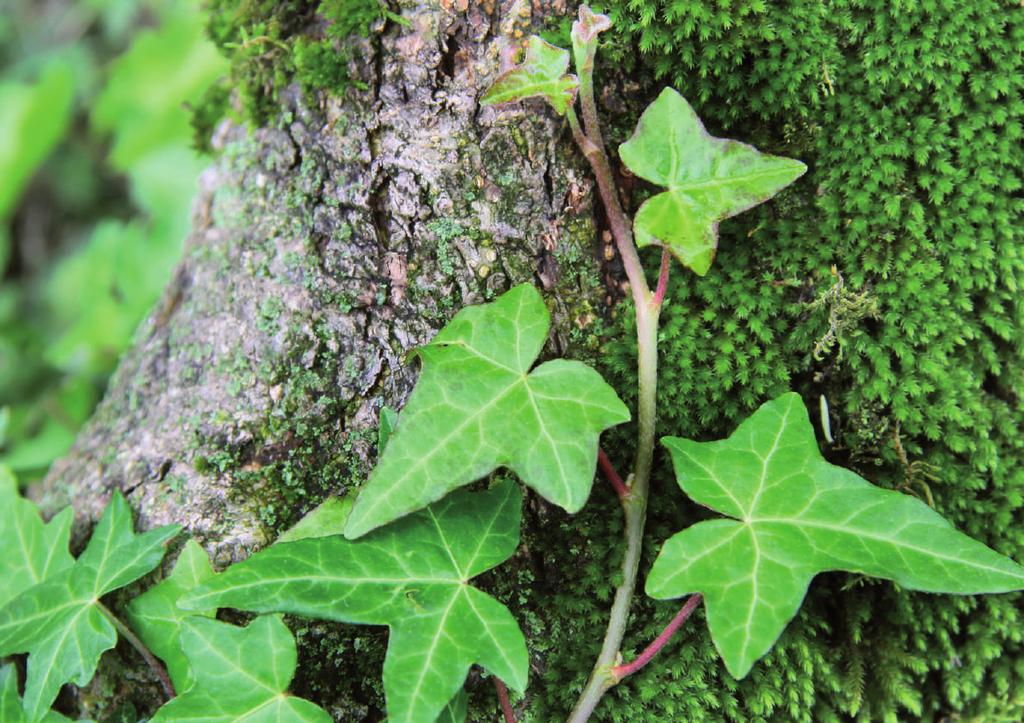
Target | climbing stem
(618,222)
(586,94)
(635,505)
(621,671)
(154,664)
(648,309)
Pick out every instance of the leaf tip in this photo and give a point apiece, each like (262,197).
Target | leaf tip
(355,527)
(172,530)
(738,669)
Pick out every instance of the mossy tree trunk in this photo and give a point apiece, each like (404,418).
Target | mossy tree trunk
(326,246)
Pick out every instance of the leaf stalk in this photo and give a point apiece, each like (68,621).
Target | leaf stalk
(659,293)
(506,704)
(155,665)
(613,477)
(618,221)
(621,671)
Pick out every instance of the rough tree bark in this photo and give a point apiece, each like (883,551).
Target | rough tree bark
(323,250)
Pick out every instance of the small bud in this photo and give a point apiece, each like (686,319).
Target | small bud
(590,25)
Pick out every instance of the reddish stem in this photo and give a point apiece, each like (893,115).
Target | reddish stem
(621,671)
(659,293)
(135,642)
(506,704)
(609,471)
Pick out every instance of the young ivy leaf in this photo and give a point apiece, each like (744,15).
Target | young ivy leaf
(157,619)
(241,675)
(540,75)
(477,406)
(32,551)
(796,515)
(584,35)
(60,623)
(413,576)
(708,179)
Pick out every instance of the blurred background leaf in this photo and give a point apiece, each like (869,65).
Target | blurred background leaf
(36,116)
(99,174)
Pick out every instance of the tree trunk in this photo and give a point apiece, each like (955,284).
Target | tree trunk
(323,250)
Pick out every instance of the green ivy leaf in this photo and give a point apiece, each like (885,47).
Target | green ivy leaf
(11,710)
(541,75)
(157,619)
(797,515)
(388,422)
(241,675)
(477,406)
(328,518)
(60,622)
(456,710)
(708,179)
(32,551)
(412,576)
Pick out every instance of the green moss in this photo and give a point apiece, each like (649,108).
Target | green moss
(271,44)
(445,230)
(329,653)
(915,152)
(207,112)
(270,312)
(318,65)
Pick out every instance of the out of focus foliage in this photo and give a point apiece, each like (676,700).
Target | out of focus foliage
(98,176)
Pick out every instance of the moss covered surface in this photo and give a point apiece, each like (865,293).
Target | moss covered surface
(271,44)
(909,115)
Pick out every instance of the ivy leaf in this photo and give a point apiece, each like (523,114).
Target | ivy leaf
(327,518)
(60,623)
(456,710)
(477,407)
(32,551)
(11,710)
(157,619)
(796,515)
(412,576)
(241,675)
(541,75)
(388,422)
(708,179)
